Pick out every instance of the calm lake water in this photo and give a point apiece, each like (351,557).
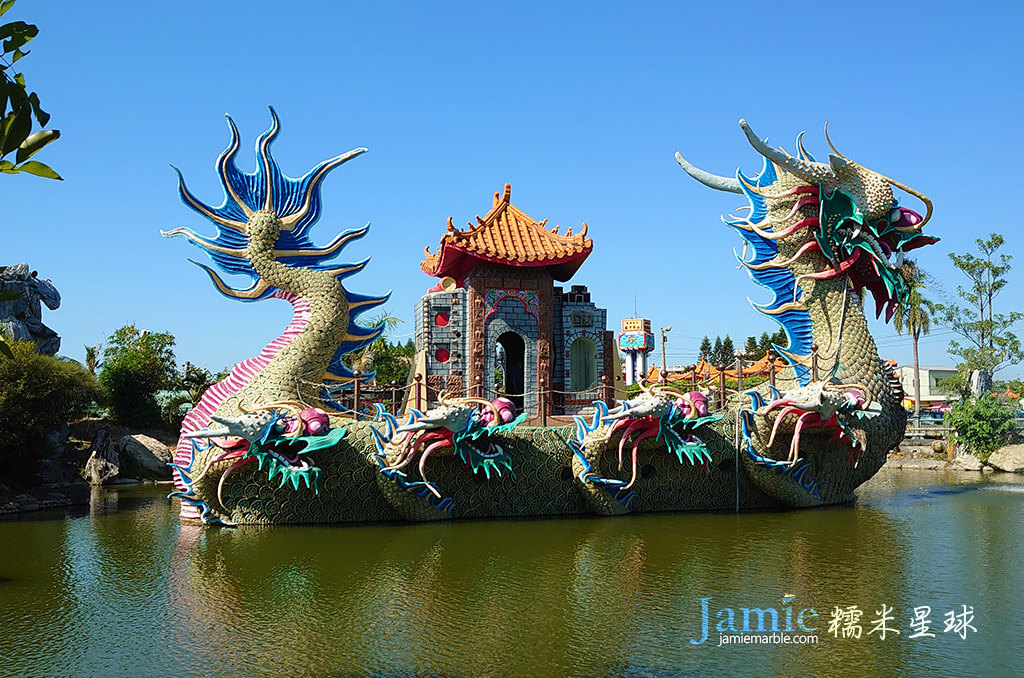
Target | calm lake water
(124,589)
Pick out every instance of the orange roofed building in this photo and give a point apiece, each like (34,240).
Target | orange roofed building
(496,324)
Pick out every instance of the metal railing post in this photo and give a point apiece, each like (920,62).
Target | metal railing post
(419,396)
(771,369)
(543,403)
(604,389)
(355,393)
(721,387)
(814,362)
(739,371)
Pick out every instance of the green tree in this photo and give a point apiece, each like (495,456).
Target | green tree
(136,364)
(728,356)
(750,349)
(37,394)
(705,349)
(989,343)
(18,107)
(390,361)
(982,424)
(185,391)
(914,317)
(716,352)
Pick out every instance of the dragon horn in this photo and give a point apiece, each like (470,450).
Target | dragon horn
(707,178)
(814,172)
(917,194)
(481,401)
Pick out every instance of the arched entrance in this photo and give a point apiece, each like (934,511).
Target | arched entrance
(511,363)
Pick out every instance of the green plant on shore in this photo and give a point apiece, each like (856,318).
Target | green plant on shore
(982,425)
(136,364)
(38,393)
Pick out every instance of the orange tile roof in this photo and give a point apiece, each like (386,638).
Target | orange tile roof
(506,235)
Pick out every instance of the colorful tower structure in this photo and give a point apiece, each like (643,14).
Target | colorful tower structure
(496,290)
(637,342)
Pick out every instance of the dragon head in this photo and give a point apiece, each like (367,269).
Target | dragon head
(840,209)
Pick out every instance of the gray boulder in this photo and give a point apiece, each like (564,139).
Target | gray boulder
(144,457)
(1009,458)
(966,462)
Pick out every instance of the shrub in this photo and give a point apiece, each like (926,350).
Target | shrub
(38,393)
(982,425)
(137,364)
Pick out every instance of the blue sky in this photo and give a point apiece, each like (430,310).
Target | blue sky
(579,105)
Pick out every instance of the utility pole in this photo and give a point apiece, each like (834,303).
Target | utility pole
(664,340)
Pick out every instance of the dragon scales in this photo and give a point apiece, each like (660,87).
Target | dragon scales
(261,447)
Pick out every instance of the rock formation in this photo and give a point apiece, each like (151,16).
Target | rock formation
(21,317)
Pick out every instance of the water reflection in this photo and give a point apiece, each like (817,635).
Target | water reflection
(572,597)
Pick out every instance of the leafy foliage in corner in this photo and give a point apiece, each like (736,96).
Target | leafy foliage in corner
(982,425)
(137,364)
(18,107)
(38,393)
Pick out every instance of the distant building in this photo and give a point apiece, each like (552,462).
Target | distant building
(497,324)
(931,376)
(637,342)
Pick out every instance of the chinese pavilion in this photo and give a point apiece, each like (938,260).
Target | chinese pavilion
(496,324)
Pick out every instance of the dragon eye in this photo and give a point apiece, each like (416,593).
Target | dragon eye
(895,215)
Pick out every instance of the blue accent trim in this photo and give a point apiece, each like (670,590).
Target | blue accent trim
(288,195)
(780,281)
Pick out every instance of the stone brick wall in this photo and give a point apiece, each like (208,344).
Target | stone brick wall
(577,316)
(452,338)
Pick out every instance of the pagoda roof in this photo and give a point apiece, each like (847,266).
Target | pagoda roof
(506,235)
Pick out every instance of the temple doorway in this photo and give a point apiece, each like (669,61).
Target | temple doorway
(511,366)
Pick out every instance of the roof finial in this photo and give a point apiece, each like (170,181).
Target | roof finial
(508,193)
(451,226)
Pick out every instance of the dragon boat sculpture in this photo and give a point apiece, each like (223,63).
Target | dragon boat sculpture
(262,447)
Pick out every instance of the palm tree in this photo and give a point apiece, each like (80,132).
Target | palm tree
(92,358)
(364,360)
(914,316)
